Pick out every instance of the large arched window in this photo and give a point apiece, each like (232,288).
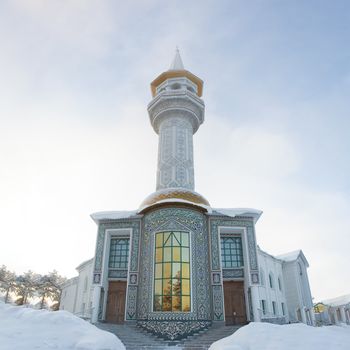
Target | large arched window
(172,282)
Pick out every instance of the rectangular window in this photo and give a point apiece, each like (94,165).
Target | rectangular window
(172,281)
(263,306)
(274,307)
(283,310)
(231,252)
(119,253)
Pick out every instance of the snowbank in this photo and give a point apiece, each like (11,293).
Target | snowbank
(27,329)
(266,336)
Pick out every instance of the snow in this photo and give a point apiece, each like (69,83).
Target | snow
(24,328)
(291,256)
(342,300)
(233,212)
(266,336)
(113,215)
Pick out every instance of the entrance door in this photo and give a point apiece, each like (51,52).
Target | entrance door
(235,310)
(116,302)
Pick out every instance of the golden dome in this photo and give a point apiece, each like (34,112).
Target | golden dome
(174,195)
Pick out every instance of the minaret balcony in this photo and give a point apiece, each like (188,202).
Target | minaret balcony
(181,102)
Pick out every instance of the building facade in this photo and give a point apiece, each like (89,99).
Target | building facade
(176,265)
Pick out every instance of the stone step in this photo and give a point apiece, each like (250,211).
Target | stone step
(135,338)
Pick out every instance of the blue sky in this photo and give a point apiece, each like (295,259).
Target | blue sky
(75,136)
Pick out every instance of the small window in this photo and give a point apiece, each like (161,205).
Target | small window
(283,309)
(279,284)
(274,308)
(271,281)
(175,86)
(262,277)
(300,269)
(189,88)
(263,306)
(85,284)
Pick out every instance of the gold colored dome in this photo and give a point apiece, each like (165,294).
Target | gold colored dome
(175,195)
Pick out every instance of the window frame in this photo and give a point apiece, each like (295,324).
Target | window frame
(126,262)
(242,258)
(154,279)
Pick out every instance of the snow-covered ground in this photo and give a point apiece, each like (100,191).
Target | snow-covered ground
(266,336)
(23,328)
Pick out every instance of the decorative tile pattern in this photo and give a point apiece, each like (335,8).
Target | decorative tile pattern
(180,219)
(131,303)
(214,234)
(232,273)
(218,303)
(173,330)
(135,225)
(175,154)
(216,278)
(214,223)
(118,273)
(133,278)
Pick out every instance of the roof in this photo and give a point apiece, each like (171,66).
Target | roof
(113,215)
(86,262)
(342,300)
(177,63)
(233,212)
(293,256)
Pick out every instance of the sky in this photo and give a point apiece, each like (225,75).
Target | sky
(75,136)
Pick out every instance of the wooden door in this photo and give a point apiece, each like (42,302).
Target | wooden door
(116,302)
(235,309)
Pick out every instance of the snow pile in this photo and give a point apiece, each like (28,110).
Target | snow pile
(26,329)
(266,336)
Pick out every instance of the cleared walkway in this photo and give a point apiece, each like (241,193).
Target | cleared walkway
(135,338)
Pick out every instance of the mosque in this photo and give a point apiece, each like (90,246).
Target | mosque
(176,265)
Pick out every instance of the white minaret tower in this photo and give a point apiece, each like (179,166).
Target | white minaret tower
(176,112)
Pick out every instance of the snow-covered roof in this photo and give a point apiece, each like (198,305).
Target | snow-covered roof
(293,256)
(86,262)
(113,215)
(233,212)
(342,300)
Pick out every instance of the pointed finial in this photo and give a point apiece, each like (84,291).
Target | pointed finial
(177,61)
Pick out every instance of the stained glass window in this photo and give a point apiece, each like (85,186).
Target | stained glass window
(231,252)
(172,282)
(119,253)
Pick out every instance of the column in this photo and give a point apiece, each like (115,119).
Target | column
(255,303)
(95,304)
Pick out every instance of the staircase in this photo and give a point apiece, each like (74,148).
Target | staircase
(134,338)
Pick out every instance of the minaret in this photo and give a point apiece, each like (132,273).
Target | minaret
(176,112)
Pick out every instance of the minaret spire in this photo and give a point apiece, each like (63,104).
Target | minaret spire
(177,63)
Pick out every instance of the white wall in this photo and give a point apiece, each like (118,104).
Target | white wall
(77,292)
(68,296)
(84,290)
(298,292)
(270,265)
